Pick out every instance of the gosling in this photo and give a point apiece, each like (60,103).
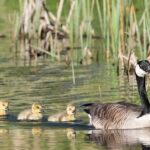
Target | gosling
(3,107)
(68,115)
(31,114)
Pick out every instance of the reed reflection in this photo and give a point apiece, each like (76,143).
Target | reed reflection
(117,139)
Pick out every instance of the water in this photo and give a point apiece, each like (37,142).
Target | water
(50,83)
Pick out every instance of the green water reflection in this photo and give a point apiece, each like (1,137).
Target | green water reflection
(50,83)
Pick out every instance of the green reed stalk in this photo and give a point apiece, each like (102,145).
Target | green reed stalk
(17,25)
(37,21)
(115,26)
(77,18)
(147,19)
(71,28)
(100,18)
(144,38)
(73,74)
(108,40)
(21,5)
(104,18)
(138,34)
(88,24)
(53,50)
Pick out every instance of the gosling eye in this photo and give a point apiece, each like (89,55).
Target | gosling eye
(37,107)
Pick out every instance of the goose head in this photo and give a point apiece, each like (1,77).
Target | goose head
(36,108)
(142,68)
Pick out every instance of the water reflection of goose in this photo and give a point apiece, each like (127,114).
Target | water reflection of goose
(123,115)
(31,114)
(117,139)
(68,115)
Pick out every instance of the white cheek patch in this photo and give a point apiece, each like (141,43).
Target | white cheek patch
(140,72)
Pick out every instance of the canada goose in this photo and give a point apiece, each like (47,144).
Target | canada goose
(123,115)
(3,107)
(31,114)
(68,115)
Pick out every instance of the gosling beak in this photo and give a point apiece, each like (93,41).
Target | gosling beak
(74,112)
(41,111)
(6,109)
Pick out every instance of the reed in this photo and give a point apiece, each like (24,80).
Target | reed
(122,29)
(41,30)
(73,73)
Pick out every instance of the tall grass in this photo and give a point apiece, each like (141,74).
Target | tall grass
(41,29)
(118,24)
(117,20)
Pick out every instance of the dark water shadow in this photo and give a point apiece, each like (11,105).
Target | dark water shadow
(118,139)
(11,121)
(56,125)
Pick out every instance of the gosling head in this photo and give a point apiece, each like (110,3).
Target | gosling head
(142,68)
(36,108)
(4,105)
(71,109)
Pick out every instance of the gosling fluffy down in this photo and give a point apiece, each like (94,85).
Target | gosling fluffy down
(3,107)
(31,114)
(68,115)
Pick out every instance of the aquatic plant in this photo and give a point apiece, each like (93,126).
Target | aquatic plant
(42,32)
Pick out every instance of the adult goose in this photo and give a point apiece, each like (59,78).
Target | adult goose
(124,115)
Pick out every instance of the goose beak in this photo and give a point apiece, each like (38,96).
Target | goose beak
(74,112)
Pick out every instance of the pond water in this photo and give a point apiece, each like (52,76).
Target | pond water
(50,84)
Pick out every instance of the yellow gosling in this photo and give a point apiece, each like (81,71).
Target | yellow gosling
(68,115)
(31,114)
(3,107)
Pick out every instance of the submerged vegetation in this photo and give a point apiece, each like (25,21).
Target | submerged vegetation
(126,35)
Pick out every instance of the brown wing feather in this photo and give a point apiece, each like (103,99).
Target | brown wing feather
(112,115)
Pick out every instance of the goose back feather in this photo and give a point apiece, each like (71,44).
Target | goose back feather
(113,115)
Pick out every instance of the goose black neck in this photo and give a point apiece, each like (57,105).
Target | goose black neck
(143,94)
